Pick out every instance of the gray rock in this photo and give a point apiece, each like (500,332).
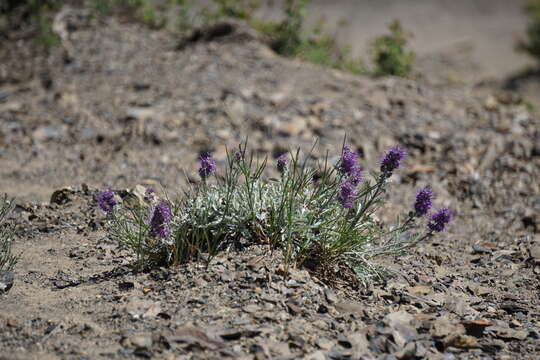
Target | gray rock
(359,342)
(443,326)
(141,341)
(349,307)
(535,253)
(330,296)
(237,333)
(398,318)
(324,343)
(46,133)
(142,308)
(188,336)
(317,355)
(508,333)
(6,280)
(62,196)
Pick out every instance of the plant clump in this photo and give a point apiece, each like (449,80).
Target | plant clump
(290,38)
(7,259)
(390,54)
(320,215)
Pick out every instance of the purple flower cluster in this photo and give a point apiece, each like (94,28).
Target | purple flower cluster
(347,194)
(238,156)
(357,175)
(208,166)
(438,221)
(158,224)
(348,162)
(349,167)
(424,201)
(150,194)
(422,205)
(392,159)
(106,201)
(282,163)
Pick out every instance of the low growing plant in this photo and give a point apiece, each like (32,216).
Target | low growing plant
(17,14)
(288,34)
(7,259)
(531,46)
(290,38)
(390,54)
(142,10)
(320,215)
(239,9)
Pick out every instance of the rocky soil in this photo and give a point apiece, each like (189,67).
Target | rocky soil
(117,105)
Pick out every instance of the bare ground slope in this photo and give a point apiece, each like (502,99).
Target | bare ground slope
(131,108)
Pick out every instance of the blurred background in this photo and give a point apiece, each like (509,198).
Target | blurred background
(456,41)
(446,33)
(147,85)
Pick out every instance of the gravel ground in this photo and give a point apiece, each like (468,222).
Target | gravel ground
(118,106)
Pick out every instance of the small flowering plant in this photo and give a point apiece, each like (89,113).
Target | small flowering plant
(208,166)
(7,259)
(142,227)
(106,201)
(320,215)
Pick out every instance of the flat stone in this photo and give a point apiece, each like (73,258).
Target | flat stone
(143,341)
(359,342)
(251,308)
(407,352)
(420,290)
(507,333)
(349,307)
(143,309)
(458,305)
(6,280)
(330,296)
(460,341)
(476,327)
(237,333)
(398,318)
(535,253)
(324,343)
(294,309)
(443,326)
(141,113)
(513,307)
(317,355)
(190,335)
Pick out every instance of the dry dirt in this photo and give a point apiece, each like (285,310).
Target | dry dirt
(119,105)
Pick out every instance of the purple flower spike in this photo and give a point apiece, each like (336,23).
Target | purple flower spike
(348,162)
(282,163)
(424,201)
(158,224)
(150,194)
(357,177)
(438,221)
(237,156)
(106,201)
(392,159)
(208,166)
(347,194)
